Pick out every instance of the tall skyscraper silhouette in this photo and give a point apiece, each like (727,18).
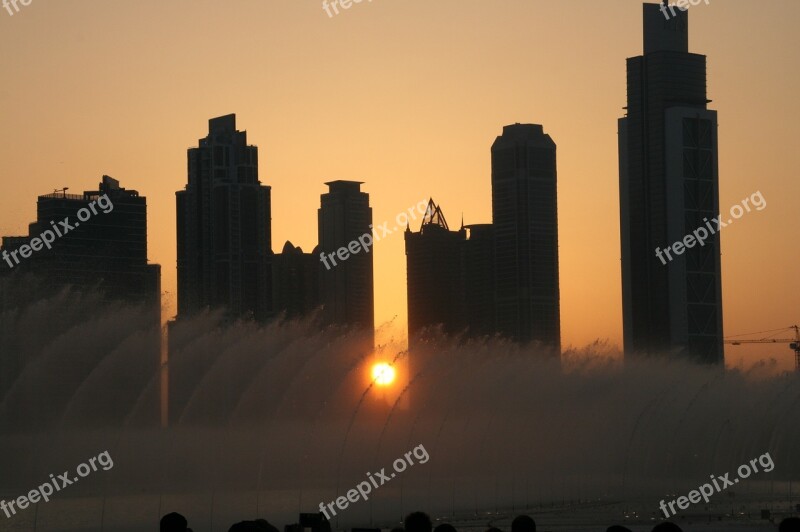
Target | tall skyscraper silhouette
(668,187)
(525,223)
(346,287)
(224,227)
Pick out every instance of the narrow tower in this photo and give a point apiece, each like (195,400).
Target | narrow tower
(525,225)
(669,188)
(346,282)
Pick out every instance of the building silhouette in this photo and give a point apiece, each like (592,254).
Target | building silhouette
(96,242)
(346,285)
(450,278)
(525,225)
(295,281)
(224,227)
(102,246)
(435,276)
(668,188)
(478,280)
(499,278)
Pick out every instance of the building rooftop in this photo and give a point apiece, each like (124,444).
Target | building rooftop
(341,185)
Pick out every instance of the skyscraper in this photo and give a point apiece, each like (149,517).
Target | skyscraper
(525,224)
(668,186)
(101,242)
(95,241)
(224,227)
(346,287)
(295,278)
(435,276)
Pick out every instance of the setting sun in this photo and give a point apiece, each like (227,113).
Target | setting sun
(383,374)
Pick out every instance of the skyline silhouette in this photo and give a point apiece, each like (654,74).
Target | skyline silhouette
(481,240)
(406,128)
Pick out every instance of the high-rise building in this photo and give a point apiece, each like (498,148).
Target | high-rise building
(346,284)
(525,225)
(478,280)
(224,227)
(295,278)
(435,280)
(450,278)
(668,187)
(97,240)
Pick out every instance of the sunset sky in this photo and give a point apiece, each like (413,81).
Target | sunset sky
(407,96)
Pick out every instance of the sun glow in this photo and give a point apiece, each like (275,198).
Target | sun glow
(383,374)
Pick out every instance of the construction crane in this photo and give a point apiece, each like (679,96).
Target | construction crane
(794,343)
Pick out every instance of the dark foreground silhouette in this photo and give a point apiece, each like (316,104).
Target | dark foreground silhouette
(790,524)
(418,522)
(421,522)
(174,522)
(259,525)
(667,527)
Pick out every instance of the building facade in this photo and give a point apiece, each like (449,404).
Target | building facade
(90,242)
(435,276)
(99,241)
(224,228)
(346,285)
(295,278)
(478,280)
(525,226)
(668,186)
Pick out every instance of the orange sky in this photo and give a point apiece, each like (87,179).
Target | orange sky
(406,96)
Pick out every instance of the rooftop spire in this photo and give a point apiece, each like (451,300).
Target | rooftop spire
(434,216)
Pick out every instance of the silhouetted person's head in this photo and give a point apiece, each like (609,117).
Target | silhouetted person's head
(523,523)
(617,528)
(418,522)
(667,527)
(790,524)
(445,527)
(174,522)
